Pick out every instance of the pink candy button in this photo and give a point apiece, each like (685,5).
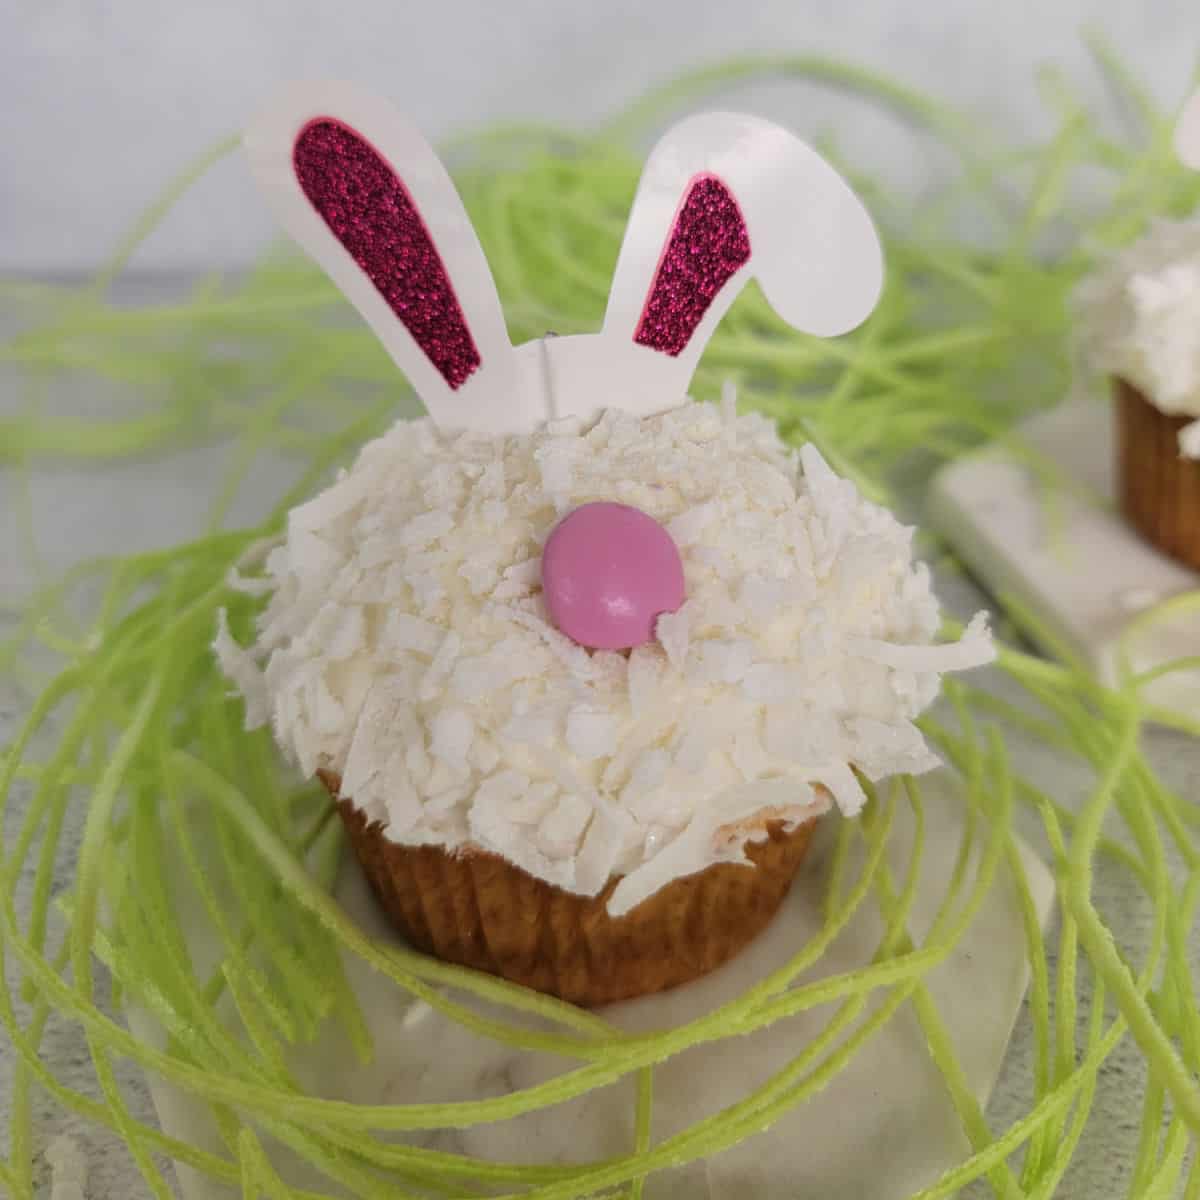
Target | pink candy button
(608,572)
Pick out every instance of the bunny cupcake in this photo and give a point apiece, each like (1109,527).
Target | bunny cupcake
(1140,324)
(582,660)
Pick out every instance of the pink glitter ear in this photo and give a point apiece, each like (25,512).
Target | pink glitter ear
(709,243)
(370,212)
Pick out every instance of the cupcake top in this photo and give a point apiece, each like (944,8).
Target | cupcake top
(407,648)
(1139,318)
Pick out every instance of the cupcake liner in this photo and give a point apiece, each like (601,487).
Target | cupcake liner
(474,908)
(1159,489)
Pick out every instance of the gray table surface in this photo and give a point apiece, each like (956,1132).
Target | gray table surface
(138,505)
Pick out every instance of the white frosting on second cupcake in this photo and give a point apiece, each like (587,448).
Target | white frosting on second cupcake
(406,647)
(1139,318)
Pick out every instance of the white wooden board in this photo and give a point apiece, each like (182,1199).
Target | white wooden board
(1073,562)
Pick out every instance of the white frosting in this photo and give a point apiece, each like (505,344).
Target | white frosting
(1140,319)
(406,647)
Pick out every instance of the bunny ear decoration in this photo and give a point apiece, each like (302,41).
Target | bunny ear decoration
(1187,133)
(725,196)
(364,194)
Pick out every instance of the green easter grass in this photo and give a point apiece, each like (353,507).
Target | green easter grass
(134,738)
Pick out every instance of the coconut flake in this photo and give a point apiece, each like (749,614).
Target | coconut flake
(326,509)
(591,733)
(451,733)
(560,832)
(443,662)
(597,859)
(644,674)
(426,528)
(242,669)
(346,634)
(671,630)
(974,649)
(249,585)
(687,528)
(400,805)
(518,580)
(748,754)
(881,748)
(403,631)
(1189,440)
(325,709)
(381,725)
(771,683)
(721,661)
(531,807)
(700,844)
(842,783)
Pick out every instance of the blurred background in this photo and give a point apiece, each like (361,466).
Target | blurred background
(100,104)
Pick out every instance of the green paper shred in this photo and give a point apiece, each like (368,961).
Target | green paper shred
(130,735)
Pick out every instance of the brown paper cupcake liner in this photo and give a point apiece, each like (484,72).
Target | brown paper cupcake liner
(1159,490)
(476,909)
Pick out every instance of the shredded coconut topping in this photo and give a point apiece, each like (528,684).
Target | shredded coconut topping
(1140,319)
(406,647)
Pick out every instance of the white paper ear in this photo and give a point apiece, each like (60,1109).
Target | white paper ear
(364,194)
(723,197)
(1187,133)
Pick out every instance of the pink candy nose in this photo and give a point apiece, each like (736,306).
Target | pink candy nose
(608,572)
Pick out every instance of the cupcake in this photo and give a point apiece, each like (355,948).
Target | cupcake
(1139,320)
(582,660)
